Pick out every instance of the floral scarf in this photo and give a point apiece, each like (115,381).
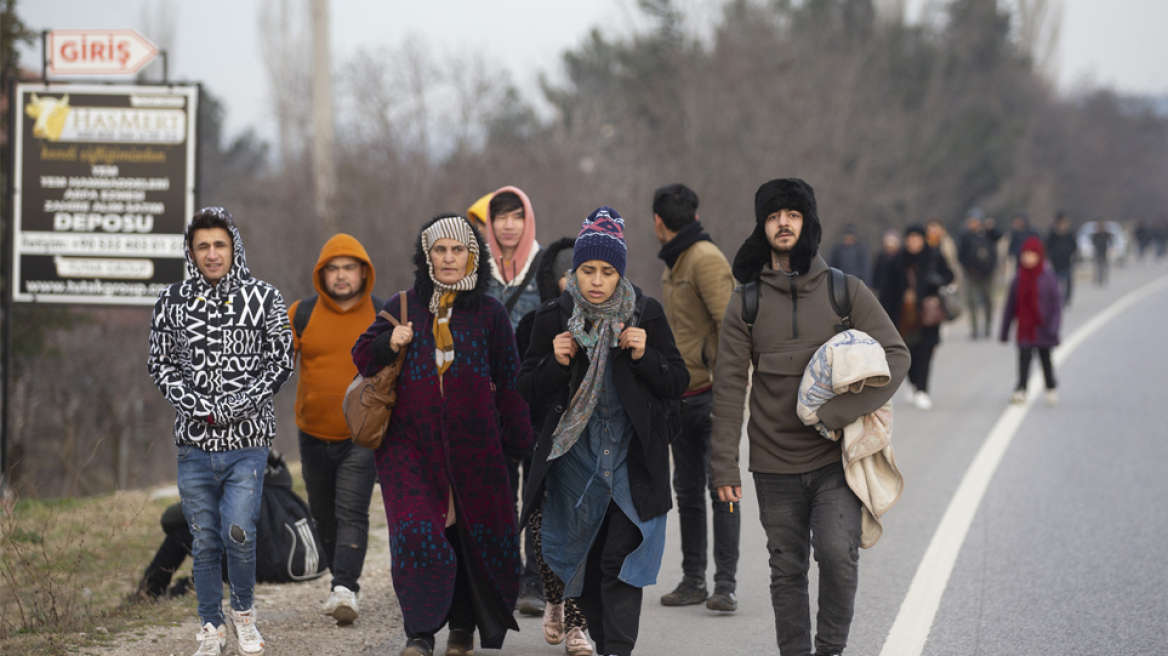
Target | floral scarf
(607,320)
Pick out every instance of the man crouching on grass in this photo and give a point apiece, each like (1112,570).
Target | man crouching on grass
(220,349)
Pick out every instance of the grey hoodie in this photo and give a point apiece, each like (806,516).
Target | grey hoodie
(220,353)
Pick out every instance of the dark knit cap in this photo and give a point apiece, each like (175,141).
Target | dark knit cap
(914,229)
(602,238)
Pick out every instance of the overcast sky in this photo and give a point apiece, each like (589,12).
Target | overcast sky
(1119,43)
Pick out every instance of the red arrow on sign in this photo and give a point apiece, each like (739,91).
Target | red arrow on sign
(98,52)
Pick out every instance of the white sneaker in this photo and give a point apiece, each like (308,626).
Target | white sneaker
(251,643)
(344,604)
(922,401)
(212,641)
(1052,397)
(577,644)
(1018,397)
(908,393)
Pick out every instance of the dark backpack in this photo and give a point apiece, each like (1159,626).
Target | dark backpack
(837,290)
(304,313)
(288,544)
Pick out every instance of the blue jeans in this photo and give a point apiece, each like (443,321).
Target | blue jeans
(692,480)
(221,494)
(800,512)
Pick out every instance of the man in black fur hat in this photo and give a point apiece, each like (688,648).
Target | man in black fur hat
(804,500)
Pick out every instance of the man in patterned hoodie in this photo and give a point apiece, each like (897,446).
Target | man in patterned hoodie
(220,350)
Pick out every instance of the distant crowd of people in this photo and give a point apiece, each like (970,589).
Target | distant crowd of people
(543,374)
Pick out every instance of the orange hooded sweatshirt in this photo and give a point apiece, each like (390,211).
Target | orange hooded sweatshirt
(326,364)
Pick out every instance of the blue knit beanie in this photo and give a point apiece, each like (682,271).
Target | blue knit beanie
(602,238)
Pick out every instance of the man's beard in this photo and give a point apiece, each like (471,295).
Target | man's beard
(779,250)
(346,297)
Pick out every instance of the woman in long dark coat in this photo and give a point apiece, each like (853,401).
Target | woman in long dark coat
(917,273)
(605,355)
(452,532)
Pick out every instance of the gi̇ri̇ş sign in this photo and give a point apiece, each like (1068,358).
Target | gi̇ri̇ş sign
(104,188)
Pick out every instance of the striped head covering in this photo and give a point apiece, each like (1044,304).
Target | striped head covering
(442,300)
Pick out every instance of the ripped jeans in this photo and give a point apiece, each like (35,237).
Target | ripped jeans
(221,494)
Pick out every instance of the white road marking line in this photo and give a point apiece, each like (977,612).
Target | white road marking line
(914,621)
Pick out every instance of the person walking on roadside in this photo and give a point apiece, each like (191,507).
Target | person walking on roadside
(1062,248)
(850,255)
(563,621)
(220,350)
(1034,301)
(696,286)
(913,303)
(1019,233)
(939,240)
(978,255)
(804,500)
(889,248)
(452,532)
(1101,241)
(338,474)
(604,354)
(515,258)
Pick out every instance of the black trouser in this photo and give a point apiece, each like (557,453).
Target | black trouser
(1066,278)
(922,360)
(1101,270)
(1025,354)
(531,574)
(611,606)
(339,479)
(800,513)
(692,480)
(979,293)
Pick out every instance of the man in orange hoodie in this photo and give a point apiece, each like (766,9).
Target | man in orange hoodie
(338,474)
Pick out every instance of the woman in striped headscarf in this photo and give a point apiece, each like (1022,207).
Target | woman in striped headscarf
(452,532)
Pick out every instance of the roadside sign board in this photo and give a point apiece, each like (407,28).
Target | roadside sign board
(98,52)
(104,186)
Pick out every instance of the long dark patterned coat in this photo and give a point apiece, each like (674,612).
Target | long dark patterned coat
(453,439)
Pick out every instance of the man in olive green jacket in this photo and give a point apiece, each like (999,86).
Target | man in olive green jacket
(696,286)
(804,499)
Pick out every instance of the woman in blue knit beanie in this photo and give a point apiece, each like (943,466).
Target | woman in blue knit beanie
(604,355)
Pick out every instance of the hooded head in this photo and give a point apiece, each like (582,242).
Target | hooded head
(424,283)
(556,262)
(1032,245)
(511,268)
(342,245)
(774,196)
(478,212)
(602,237)
(216,217)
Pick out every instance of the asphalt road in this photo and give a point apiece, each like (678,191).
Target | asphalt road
(1065,551)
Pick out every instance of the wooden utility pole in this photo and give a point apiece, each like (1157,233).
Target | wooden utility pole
(323,165)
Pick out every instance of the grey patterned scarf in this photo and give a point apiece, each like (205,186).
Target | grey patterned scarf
(607,321)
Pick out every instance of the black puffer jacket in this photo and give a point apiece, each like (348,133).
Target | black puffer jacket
(220,353)
(644,387)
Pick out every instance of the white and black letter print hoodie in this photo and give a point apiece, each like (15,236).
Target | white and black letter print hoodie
(220,353)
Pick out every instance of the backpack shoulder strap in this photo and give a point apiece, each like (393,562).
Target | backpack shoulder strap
(750,297)
(841,298)
(514,298)
(303,314)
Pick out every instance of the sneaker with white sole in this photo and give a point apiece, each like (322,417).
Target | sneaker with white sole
(923,401)
(1052,397)
(576,643)
(212,641)
(1018,397)
(251,643)
(344,603)
(553,623)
